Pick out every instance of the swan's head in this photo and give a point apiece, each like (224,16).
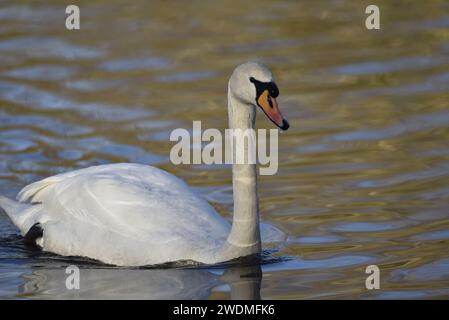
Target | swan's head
(252,83)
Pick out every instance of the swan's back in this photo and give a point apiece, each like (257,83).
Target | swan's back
(123,214)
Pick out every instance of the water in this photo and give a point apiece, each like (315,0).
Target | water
(364,168)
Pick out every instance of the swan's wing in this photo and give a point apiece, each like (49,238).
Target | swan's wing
(122,214)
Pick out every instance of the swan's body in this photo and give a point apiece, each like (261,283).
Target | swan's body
(134,215)
(122,214)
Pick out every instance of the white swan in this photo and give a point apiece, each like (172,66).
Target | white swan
(134,215)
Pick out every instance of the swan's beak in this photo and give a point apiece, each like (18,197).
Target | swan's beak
(270,107)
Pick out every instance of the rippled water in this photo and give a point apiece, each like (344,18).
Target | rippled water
(364,168)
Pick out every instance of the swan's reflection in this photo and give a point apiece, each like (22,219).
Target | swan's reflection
(244,283)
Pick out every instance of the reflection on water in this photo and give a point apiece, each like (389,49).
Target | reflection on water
(243,283)
(364,168)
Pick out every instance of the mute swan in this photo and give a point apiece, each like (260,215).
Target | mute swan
(133,215)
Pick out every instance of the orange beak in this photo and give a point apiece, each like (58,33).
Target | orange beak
(270,107)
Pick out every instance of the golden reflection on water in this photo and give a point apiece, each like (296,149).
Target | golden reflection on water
(364,167)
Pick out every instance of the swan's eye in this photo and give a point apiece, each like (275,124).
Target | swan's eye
(270,87)
(274,91)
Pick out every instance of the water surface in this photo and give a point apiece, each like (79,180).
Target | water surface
(364,167)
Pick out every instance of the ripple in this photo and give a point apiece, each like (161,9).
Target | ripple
(375,67)
(434,271)
(45,123)
(433,84)
(152,124)
(328,263)
(134,154)
(430,214)
(315,148)
(272,44)
(434,235)
(72,154)
(107,112)
(16,140)
(42,72)
(406,126)
(93,85)
(131,64)
(439,170)
(221,195)
(15,144)
(368,226)
(28,14)
(402,294)
(33,162)
(186,76)
(417,25)
(47,47)
(29,96)
(270,234)
(40,99)
(317,239)
(105,146)
(161,135)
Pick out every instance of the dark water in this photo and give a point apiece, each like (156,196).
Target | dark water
(364,168)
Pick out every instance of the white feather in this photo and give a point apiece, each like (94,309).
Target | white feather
(122,214)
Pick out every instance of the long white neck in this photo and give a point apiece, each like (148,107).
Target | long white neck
(245,233)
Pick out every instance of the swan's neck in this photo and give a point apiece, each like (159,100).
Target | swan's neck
(245,233)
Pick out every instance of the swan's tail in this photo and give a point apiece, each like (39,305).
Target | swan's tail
(19,213)
(11,207)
